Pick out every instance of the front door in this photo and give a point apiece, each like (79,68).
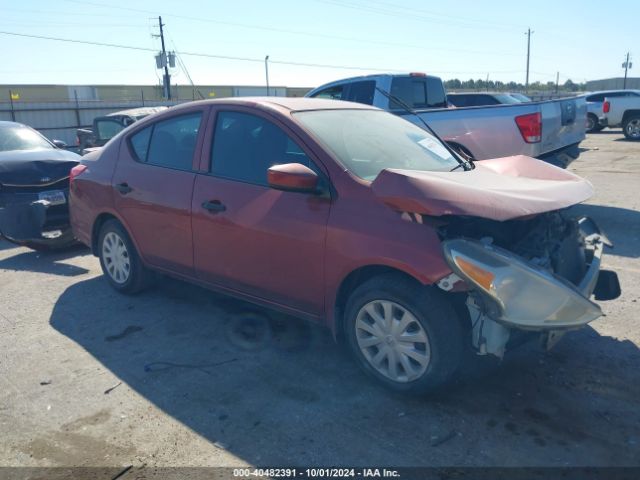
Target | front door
(153,184)
(262,242)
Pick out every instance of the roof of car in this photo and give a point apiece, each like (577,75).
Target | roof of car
(6,124)
(287,103)
(599,92)
(136,112)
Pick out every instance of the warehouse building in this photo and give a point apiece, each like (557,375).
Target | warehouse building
(616,83)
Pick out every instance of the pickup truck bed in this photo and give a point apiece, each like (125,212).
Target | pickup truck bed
(549,130)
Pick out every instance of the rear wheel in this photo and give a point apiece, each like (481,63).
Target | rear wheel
(631,127)
(405,335)
(120,261)
(592,123)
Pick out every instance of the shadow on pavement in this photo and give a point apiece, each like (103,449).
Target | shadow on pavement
(293,397)
(45,262)
(5,245)
(621,225)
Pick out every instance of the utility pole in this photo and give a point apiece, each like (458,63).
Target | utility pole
(266,72)
(528,34)
(626,65)
(167,77)
(557,80)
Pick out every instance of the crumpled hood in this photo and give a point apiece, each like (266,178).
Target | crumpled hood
(31,167)
(498,189)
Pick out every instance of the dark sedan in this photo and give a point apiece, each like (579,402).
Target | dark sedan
(34,188)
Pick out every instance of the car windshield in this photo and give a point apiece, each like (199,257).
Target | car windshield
(369,141)
(18,137)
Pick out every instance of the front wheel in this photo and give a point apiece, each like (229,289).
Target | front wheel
(631,127)
(405,335)
(119,259)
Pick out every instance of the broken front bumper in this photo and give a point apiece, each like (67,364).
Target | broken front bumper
(26,218)
(518,294)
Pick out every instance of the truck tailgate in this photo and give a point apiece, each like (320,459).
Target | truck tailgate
(563,123)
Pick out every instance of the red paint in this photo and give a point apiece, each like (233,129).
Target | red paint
(285,249)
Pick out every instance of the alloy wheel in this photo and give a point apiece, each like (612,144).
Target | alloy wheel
(633,128)
(116,258)
(392,340)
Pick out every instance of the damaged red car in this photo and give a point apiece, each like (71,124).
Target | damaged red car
(347,215)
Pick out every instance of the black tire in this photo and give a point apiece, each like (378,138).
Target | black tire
(592,123)
(139,277)
(630,127)
(437,317)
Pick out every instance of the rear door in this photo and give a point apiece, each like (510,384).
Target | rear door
(153,184)
(261,242)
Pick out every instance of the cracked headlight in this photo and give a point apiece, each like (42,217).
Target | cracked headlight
(521,294)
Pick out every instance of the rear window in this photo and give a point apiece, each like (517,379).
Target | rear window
(18,137)
(107,128)
(418,92)
(596,98)
(332,93)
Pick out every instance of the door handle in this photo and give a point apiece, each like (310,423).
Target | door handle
(123,188)
(214,206)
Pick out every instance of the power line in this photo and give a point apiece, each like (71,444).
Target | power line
(235,58)
(198,54)
(411,16)
(291,32)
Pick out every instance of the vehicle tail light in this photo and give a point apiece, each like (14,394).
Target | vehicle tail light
(417,74)
(77,140)
(75,171)
(530,126)
(606,106)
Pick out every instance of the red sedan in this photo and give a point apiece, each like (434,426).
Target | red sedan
(347,215)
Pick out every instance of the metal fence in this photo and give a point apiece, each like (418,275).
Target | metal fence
(60,120)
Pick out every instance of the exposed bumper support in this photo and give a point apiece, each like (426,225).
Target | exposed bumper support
(511,293)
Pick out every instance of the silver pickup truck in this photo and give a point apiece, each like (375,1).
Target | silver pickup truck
(549,130)
(623,111)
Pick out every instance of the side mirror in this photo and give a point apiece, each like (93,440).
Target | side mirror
(293,177)
(59,143)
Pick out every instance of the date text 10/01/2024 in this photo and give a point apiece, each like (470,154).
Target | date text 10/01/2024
(315,473)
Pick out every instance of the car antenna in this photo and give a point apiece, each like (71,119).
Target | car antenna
(468,163)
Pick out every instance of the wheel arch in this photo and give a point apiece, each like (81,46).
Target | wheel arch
(100,220)
(630,113)
(353,280)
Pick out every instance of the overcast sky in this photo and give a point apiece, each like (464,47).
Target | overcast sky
(467,39)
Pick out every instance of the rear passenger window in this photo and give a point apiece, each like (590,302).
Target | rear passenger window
(169,143)
(362,92)
(246,146)
(140,143)
(436,98)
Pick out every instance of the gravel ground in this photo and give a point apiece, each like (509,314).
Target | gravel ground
(92,378)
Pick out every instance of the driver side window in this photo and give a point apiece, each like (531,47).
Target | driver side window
(245,146)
